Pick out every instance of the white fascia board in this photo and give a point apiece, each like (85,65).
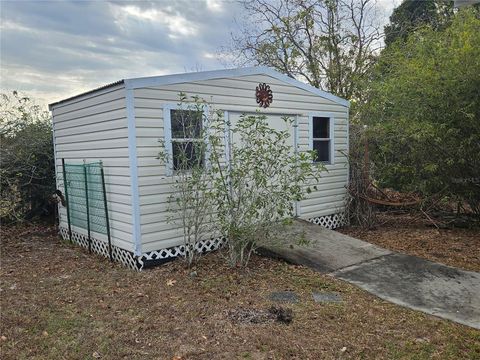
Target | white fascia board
(218,74)
(132,154)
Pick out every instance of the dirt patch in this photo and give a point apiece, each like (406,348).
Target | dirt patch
(57,302)
(412,235)
(258,316)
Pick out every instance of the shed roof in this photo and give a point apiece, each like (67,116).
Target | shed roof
(136,83)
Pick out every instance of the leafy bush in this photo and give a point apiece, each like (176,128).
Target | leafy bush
(242,199)
(256,190)
(423,111)
(26,159)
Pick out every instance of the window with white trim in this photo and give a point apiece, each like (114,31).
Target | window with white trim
(321,128)
(183,138)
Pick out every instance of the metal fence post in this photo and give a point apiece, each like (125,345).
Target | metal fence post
(66,198)
(88,210)
(106,211)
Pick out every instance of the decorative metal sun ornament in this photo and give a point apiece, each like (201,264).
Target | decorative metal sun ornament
(264,95)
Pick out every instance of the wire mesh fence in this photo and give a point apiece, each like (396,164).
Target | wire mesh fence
(86,198)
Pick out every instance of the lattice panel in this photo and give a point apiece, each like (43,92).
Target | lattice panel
(201,247)
(101,247)
(128,259)
(330,221)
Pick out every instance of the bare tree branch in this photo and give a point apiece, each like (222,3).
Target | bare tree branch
(328,43)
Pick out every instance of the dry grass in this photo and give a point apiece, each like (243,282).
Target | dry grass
(415,235)
(60,303)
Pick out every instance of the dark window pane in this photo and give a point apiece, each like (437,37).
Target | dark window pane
(186,155)
(186,124)
(322,148)
(321,127)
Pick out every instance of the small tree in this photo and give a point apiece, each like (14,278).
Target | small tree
(188,204)
(256,188)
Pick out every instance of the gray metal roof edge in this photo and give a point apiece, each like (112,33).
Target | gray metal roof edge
(115,83)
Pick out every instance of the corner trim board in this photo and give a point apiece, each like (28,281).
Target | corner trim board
(132,154)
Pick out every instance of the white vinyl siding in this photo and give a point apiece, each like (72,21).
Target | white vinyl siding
(93,127)
(234,95)
(100,126)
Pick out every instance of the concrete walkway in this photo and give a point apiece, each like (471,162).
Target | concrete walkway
(405,280)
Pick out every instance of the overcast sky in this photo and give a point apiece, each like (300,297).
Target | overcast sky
(54,49)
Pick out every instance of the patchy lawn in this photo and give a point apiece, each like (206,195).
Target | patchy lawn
(59,302)
(415,235)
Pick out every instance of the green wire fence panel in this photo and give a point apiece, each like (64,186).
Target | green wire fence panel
(86,198)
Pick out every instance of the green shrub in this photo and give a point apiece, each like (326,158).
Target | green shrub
(423,112)
(26,159)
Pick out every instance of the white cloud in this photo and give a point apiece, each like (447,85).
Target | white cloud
(215,5)
(177,25)
(209,55)
(53,50)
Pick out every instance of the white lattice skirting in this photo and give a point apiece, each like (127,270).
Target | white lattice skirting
(138,263)
(330,221)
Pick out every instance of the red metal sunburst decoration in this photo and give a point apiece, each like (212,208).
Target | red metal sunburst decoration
(264,95)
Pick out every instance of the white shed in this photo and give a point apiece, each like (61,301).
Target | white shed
(121,124)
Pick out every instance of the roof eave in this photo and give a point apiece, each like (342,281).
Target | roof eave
(136,83)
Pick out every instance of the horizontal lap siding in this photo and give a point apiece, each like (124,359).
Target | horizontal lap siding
(330,196)
(94,128)
(235,95)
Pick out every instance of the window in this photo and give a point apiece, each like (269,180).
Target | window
(183,138)
(321,129)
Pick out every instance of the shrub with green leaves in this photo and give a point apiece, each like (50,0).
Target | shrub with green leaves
(423,112)
(257,188)
(243,193)
(26,159)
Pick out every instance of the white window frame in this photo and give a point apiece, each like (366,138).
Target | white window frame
(331,138)
(167,132)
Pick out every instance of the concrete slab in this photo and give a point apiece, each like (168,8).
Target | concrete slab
(324,250)
(421,285)
(402,279)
